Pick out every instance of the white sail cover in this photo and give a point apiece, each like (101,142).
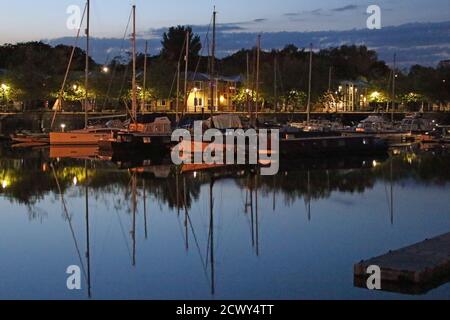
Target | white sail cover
(57,105)
(226,121)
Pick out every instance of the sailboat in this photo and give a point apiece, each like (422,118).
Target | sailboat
(86,136)
(147,134)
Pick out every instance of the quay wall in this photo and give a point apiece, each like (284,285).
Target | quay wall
(36,121)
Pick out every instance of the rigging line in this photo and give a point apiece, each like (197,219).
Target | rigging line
(210,232)
(123,233)
(123,81)
(113,75)
(70,221)
(61,92)
(203,48)
(179,62)
(280,77)
(196,241)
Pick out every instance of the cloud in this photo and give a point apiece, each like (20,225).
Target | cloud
(320,12)
(349,7)
(239,26)
(421,43)
(294,16)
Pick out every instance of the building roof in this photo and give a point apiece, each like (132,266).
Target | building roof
(356,83)
(203,77)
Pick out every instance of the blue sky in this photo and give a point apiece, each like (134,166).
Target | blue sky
(24,20)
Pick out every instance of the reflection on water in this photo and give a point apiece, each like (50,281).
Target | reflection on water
(141,229)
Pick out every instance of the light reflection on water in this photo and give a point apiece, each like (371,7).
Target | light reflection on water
(154,233)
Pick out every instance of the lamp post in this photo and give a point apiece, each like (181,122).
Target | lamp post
(195,100)
(4,89)
(247,97)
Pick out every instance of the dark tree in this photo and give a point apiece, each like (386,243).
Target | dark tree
(173,41)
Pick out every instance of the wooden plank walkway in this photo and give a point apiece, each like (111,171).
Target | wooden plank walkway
(415,269)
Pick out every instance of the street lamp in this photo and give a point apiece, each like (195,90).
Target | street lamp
(195,99)
(63,127)
(105,69)
(4,92)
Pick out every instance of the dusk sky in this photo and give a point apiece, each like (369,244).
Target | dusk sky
(24,20)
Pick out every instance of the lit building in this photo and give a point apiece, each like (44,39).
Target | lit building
(199,93)
(353,96)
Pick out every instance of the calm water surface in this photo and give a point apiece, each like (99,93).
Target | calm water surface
(153,233)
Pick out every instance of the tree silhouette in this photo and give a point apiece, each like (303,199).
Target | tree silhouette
(174,43)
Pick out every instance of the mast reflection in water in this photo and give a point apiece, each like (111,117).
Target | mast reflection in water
(153,231)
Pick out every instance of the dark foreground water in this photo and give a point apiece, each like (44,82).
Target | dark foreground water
(151,233)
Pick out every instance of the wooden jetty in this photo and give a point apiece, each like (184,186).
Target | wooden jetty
(415,269)
(325,146)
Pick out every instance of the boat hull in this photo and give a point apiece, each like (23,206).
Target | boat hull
(77,138)
(332,146)
(133,145)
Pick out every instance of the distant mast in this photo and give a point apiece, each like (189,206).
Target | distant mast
(308,108)
(393,86)
(213,57)
(86,75)
(134,97)
(258,55)
(186,69)
(144,84)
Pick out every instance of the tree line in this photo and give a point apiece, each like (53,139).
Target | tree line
(34,71)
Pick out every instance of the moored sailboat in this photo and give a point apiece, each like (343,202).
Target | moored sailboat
(86,136)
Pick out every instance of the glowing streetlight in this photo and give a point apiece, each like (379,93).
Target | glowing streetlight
(105,69)
(375,95)
(63,127)
(74,87)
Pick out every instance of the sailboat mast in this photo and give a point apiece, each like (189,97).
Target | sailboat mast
(134,96)
(275,80)
(144,85)
(86,75)
(177,104)
(186,59)
(247,90)
(308,108)
(258,54)
(213,57)
(211,234)
(393,87)
(329,78)
(88,251)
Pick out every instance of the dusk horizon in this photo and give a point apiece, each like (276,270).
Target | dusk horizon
(229,159)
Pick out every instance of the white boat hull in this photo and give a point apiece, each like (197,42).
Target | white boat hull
(77,138)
